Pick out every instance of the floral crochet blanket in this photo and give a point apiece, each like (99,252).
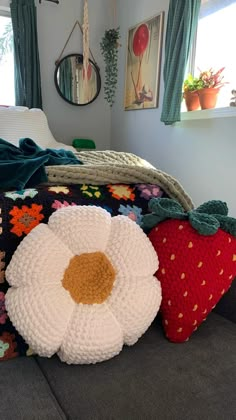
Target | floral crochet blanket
(110,167)
(21,211)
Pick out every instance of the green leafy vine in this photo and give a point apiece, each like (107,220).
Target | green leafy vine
(109,47)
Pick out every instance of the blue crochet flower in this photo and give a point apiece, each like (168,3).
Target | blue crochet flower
(133,212)
(22,194)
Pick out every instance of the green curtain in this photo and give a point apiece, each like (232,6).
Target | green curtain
(65,79)
(26,55)
(181,28)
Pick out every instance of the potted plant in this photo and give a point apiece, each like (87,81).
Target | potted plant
(210,82)
(190,88)
(109,48)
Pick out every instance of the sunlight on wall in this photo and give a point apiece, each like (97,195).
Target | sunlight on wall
(7,93)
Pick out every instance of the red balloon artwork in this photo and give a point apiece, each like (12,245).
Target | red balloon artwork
(140,41)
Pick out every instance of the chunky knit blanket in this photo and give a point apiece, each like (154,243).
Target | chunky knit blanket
(110,167)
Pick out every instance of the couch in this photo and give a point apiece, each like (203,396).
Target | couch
(154,379)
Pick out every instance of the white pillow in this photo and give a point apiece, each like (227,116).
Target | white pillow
(20,122)
(81,287)
(16,108)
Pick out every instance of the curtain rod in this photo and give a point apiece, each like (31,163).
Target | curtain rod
(53,1)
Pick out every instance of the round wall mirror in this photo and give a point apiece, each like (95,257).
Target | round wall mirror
(69,80)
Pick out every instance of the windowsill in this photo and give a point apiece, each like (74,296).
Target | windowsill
(229,111)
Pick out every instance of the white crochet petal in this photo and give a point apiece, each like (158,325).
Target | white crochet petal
(135,302)
(93,335)
(82,228)
(41,258)
(40,315)
(129,249)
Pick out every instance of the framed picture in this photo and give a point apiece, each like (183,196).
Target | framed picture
(143,64)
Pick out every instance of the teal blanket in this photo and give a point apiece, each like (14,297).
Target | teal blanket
(24,166)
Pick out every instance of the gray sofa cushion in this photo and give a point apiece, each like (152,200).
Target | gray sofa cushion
(154,379)
(25,393)
(227,305)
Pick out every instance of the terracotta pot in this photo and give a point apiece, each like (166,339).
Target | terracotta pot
(208,97)
(192,101)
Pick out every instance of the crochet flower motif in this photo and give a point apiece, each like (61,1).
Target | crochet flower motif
(25,219)
(83,285)
(121,192)
(91,191)
(60,205)
(22,194)
(7,346)
(59,190)
(133,212)
(150,191)
(3,314)
(3,348)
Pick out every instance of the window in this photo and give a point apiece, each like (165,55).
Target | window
(215,43)
(7,93)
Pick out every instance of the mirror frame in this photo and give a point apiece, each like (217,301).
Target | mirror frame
(96,69)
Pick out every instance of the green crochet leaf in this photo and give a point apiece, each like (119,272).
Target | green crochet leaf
(167,208)
(213,207)
(151,220)
(228,224)
(205,224)
(206,219)
(162,209)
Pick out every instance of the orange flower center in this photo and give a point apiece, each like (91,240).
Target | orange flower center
(89,278)
(26,219)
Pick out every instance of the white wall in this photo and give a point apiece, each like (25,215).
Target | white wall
(200,154)
(54,25)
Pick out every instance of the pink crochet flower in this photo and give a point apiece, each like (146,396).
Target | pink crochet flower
(59,205)
(149,191)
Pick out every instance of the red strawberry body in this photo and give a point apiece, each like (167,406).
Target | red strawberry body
(194,270)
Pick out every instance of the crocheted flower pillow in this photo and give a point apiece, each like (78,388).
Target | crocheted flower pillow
(83,285)
(197,255)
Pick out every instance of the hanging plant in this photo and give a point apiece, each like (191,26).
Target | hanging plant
(109,47)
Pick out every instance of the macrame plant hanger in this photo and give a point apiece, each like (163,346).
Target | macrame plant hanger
(77,23)
(114,14)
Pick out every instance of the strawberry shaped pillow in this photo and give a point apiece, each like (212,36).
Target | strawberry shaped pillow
(197,261)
